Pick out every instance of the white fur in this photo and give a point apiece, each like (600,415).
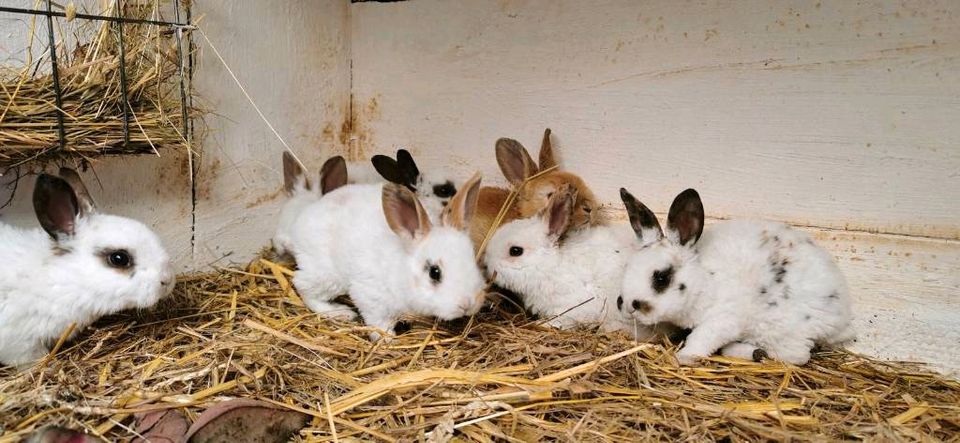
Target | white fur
(574,283)
(344,245)
(732,299)
(301,198)
(46,285)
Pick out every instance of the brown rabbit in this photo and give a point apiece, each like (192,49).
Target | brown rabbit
(517,165)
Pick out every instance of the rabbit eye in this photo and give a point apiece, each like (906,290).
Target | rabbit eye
(445,190)
(119,259)
(435,273)
(516,251)
(661,279)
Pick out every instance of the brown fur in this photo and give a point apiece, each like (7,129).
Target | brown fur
(534,196)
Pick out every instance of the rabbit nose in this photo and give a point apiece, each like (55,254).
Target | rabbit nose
(641,306)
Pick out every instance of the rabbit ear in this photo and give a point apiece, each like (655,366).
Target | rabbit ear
(333,174)
(389,169)
(642,219)
(293,174)
(514,161)
(459,213)
(408,167)
(547,159)
(686,217)
(559,211)
(87,206)
(56,205)
(404,213)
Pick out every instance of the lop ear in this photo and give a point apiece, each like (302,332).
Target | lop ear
(547,159)
(514,161)
(408,167)
(642,219)
(333,174)
(459,213)
(56,206)
(404,213)
(87,206)
(294,176)
(686,217)
(559,211)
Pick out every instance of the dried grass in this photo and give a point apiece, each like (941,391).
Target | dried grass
(90,79)
(499,376)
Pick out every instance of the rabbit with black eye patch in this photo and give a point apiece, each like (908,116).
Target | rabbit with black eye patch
(82,265)
(745,288)
(433,189)
(574,281)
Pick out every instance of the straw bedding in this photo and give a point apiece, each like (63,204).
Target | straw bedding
(499,376)
(88,56)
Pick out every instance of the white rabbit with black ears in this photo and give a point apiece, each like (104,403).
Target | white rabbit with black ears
(434,190)
(377,244)
(80,266)
(745,287)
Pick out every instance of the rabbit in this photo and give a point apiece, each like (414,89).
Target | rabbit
(80,266)
(433,190)
(747,288)
(517,166)
(574,281)
(333,174)
(377,243)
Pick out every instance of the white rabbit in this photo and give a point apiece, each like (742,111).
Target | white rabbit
(377,243)
(574,281)
(85,265)
(745,288)
(333,174)
(434,190)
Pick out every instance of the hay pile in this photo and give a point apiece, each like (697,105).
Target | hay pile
(244,333)
(88,56)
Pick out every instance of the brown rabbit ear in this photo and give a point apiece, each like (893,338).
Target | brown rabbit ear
(514,161)
(547,159)
(293,174)
(686,217)
(87,206)
(642,219)
(56,205)
(333,174)
(559,211)
(404,213)
(459,213)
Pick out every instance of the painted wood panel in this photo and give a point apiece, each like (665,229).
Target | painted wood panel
(292,58)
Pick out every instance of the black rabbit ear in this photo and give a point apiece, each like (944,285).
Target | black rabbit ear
(408,167)
(388,169)
(642,219)
(686,217)
(56,205)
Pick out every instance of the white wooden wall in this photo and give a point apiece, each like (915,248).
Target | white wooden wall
(840,117)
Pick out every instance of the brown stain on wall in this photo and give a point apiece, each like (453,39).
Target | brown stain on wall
(265,198)
(354,136)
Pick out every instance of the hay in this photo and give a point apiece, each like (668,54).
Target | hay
(93,103)
(499,376)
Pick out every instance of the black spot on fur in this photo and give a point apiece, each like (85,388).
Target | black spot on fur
(785,262)
(620,302)
(661,279)
(759,355)
(682,287)
(641,306)
(779,272)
